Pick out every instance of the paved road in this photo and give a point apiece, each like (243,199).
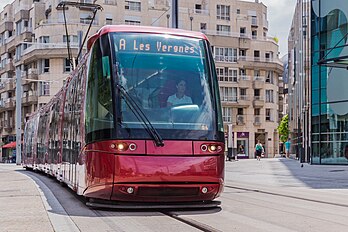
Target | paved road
(266,195)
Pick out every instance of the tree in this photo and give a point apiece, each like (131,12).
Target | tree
(283,129)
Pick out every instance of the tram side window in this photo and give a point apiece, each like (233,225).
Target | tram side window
(99,114)
(42,138)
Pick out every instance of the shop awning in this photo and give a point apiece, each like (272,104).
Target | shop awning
(10,145)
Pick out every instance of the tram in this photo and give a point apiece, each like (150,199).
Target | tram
(111,133)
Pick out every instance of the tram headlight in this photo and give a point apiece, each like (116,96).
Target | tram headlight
(204,190)
(213,148)
(130,190)
(120,146)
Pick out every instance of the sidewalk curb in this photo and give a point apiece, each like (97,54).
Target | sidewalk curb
(57,215)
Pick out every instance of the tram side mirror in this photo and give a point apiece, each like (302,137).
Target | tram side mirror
(106,67)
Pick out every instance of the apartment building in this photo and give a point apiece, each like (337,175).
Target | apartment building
(33,45)
(299,90)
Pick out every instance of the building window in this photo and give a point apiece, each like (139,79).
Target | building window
(223,12)
(227,74)
(228,94)
(242,32)
(269,96)
(227,114)
(257,95)
(132,22)
(108,21)
(203,27)
(67,66)
(86,18)
(253,20)
(223,29)
(254,34)
(269,77)
(44,66)
(242,54)
(257,111)
(226,54)
(44,39)
(256,55)
(134,6)
(269,116)
(238,11)
(268,56)
(44,89)
(72,38)
(243,94)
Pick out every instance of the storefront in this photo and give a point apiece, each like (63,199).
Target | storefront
(243,145)
(9,153)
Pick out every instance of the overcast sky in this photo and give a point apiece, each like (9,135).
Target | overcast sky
(280,13)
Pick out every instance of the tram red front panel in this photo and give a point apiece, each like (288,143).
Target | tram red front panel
(99,174)
(170,173)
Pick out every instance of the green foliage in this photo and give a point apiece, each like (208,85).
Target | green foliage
(283,129)
(276,39)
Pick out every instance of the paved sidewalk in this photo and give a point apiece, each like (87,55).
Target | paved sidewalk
(21,203)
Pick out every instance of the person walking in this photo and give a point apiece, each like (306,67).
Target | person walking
(258,150)
(287,148)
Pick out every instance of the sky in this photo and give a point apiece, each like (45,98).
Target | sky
(280,13)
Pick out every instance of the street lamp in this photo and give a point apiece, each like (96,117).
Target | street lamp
(168,16)
(191,19)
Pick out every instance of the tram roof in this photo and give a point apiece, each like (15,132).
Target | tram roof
(144,29)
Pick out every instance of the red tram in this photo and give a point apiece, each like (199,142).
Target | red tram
(119,128)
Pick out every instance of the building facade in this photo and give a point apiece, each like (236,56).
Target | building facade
(33,42)
(299,81)
(329,73)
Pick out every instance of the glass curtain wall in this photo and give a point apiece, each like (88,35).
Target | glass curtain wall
(329,84)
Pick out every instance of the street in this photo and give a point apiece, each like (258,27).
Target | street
(268,195)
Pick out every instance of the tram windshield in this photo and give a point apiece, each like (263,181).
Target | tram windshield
(170,80)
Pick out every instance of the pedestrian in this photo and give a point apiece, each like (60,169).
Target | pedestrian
(287,148)
(258,150)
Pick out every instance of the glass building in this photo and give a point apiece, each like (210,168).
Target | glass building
(329,81)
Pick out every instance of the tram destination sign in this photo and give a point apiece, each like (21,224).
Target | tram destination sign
(157,44)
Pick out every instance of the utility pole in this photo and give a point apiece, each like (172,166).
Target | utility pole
(175,13)
(18,115)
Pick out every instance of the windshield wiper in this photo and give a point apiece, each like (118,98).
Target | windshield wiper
(139,113)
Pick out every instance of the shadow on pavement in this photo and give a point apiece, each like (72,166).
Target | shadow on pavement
(318,176)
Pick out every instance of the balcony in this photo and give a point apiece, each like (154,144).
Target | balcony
(6,26)
(201,12)
(29,99)
(110,2)
(9,124)
(258,101)
(22,15)
(9,66)
(259,82)
(240,119)
(229,100)
(47,50)
(244,100)
(9,86)
(10,103)
(30,76)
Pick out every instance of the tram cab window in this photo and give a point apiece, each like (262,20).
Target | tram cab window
(99,113)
